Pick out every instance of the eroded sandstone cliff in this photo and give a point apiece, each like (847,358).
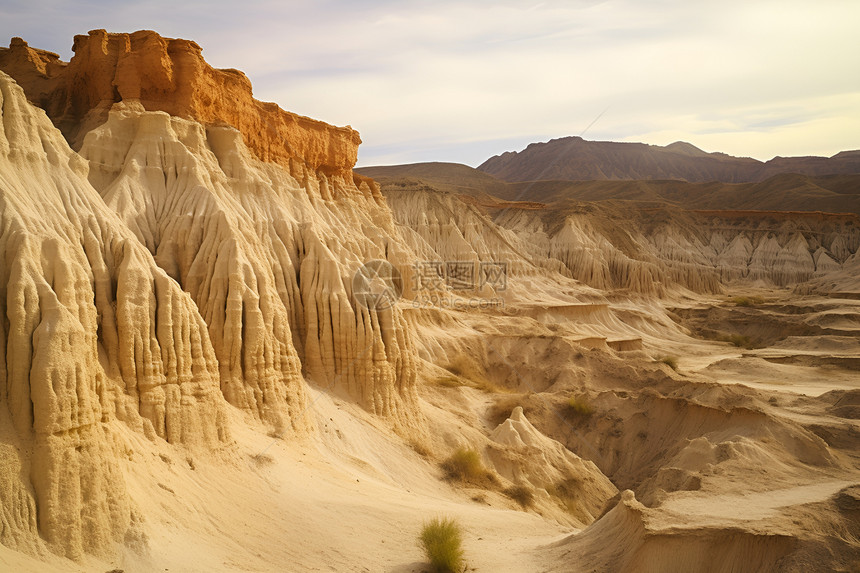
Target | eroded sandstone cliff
(196,252)
(170,75)
(95,333)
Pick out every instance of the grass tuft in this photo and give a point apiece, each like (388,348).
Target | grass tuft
(567,492)
(738,340)
(502,408)
(579,407)
(470,372)
(262,459)
(442,542)
(464,465)
(449,382)
(420,447)
(521,494)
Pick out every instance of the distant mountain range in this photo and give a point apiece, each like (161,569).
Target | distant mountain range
(782,192)
(575,159)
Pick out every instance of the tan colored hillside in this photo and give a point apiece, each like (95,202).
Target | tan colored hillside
(221,350)
(785,192)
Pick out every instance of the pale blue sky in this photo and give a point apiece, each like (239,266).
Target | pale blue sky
(463,80)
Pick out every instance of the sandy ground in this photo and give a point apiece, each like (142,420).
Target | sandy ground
(353,495)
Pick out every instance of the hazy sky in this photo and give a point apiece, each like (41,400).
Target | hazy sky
(463,80)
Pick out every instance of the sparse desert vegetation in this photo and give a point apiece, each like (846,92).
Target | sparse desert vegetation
(466,372)
(263,459)
(450,382)
(566,492)
(504,404)
(579,407)
(739,340)
(465,465)
(442,542)
(220,339)
(522,494)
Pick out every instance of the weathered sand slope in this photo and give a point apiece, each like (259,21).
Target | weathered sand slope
(191,385)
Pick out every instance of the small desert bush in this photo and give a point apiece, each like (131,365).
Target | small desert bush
(502,408)
(521,494)
(442,543)
(263,459)
(741,341)
(747,300)
(470,372)
(669,361)
(449,382)
(738,340)
(578,406)
(464,366)
(464,465)
(420,447)
(485,385)
(567,494)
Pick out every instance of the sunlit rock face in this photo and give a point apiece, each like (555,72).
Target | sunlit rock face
(170,75)
(194,254)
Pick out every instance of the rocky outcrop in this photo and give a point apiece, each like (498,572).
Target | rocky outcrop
(528,456)
(165,272)
(648,251)
(628,235)
(267,258)
(95,334)
(629,538)
(440,227)
(170,75)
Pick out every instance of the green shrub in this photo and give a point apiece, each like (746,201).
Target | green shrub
(740,341)
(464,465)
(567,492)
(579,406)
(442,543)
(670,361)
(504,406)
(521,494)
(449,382)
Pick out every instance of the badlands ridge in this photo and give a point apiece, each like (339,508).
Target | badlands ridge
(664,376)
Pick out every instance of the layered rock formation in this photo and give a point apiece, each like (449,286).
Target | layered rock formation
(523,444)
(94,333)
(166,271)
(170,75)
(785,192)
(190,260)
(646,251)
(634,244)
(266,258)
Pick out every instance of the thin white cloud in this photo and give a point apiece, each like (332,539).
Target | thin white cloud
(445,80)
